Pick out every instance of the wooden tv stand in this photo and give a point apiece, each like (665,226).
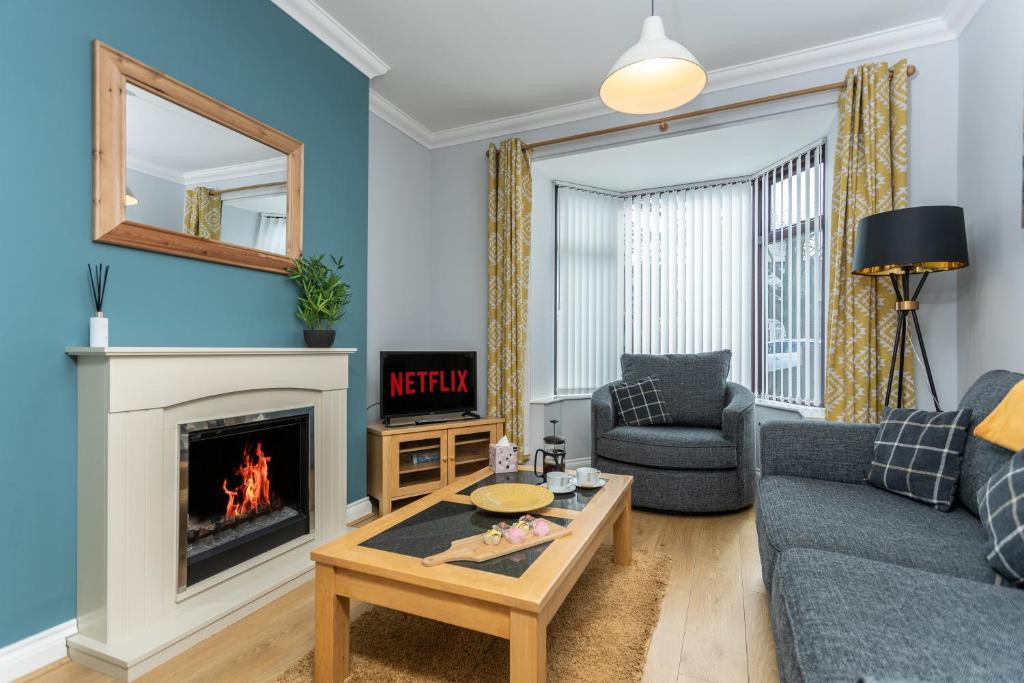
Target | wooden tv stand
(413,460)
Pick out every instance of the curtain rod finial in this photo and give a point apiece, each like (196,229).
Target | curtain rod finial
(911,70)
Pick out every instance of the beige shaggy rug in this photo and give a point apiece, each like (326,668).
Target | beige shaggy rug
(601,633)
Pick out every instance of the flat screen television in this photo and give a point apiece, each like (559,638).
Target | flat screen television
(427,382)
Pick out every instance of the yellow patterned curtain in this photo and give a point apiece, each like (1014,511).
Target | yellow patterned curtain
(202,213)
(870,176)
(509,203)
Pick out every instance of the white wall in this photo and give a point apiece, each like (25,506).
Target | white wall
(991,290)
(451,286)
(400,270)
(458,183)
(161,202)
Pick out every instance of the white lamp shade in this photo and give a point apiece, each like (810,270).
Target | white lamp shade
(655,75)
(129,197)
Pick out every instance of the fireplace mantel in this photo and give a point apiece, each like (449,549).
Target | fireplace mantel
(131,401)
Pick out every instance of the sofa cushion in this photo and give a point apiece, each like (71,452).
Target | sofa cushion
(1002,511)
(693,384)
(669,447)
(917,454)
(839,618)
(1004,426)
(861,520)
(640,403)
(982,458)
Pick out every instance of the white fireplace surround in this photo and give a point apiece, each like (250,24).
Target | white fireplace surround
(131,402)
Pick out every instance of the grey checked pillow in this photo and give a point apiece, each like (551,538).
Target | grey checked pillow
(641,403)
(917,454)
(1001,509)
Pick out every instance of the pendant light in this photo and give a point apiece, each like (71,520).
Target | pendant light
(655,75)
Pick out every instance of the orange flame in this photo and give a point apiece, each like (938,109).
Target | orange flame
(254,491)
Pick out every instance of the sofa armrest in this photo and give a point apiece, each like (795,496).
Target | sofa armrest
(602,416)
(834,451)
(738,427)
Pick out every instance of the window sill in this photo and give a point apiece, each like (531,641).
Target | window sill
(808,412)
(545,400)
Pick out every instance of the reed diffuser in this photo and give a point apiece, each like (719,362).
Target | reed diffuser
(99,331)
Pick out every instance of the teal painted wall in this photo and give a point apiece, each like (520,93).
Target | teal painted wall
(247,53)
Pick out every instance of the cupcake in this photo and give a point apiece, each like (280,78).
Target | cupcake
(515,535)
(541,527)
(492,536)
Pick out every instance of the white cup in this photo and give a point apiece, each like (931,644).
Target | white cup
(588,476)
(558,481)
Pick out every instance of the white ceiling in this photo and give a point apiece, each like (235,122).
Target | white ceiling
(719,153)
(172,142)
(455,63)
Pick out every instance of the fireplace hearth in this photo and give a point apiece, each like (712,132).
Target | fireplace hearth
(246,488)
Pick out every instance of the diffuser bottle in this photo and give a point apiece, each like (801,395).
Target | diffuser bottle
(99,326)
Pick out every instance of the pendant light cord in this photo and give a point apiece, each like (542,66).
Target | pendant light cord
(652,8)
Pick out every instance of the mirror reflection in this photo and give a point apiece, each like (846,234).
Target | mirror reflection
(190,174)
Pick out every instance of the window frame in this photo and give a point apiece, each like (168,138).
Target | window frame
(762,220)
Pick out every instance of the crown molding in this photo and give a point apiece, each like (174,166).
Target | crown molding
(156,170)
(325,27)
(867,46)
(397,118)
(909,36)
(211,176)
(960,12)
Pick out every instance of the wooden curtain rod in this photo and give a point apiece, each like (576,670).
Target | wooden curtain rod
(663,122)
(246,187)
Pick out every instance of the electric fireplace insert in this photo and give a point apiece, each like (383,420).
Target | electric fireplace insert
(246,487)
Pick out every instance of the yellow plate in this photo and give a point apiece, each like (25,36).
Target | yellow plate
(509,498)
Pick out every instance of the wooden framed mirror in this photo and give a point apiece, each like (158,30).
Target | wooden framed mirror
(178,172)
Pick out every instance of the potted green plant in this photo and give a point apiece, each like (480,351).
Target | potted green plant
(323,296)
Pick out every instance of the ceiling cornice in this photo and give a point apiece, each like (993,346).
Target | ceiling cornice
(277,167)
(325,27)
(960,12)
(918,34)
(400,120)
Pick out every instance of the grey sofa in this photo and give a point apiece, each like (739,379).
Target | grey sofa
(865,583)
(702,463)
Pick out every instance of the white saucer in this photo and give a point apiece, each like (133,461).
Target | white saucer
(569,489)
(599,484)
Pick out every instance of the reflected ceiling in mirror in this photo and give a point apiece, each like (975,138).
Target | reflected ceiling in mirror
(187,173)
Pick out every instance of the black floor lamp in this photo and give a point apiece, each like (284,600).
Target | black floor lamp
(905,242)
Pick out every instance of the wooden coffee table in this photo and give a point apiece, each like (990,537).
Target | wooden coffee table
(512,597)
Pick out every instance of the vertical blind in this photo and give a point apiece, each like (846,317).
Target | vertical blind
(726,265)
(586,328)
(687,273)
(656,272)
(790,241)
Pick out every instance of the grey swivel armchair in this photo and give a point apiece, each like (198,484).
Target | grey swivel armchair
(704,461)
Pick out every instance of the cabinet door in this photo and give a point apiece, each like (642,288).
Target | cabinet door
(468,450)
(417,462)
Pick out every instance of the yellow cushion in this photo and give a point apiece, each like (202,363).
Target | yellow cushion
(1004,426)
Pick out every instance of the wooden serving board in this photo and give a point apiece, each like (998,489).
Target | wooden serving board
(473,549)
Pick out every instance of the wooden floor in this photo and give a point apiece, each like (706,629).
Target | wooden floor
(714,624)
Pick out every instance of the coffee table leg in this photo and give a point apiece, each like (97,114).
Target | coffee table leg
(330,653)
(622,540)
(528,648)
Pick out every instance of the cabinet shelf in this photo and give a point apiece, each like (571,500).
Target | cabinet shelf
(418,467)
(466,442)
(461,447)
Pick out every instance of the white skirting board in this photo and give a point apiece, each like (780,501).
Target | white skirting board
(36,651)
(44,648)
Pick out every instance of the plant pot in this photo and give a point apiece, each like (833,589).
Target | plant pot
(319,339)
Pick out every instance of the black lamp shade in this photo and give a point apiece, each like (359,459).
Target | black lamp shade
(921,239)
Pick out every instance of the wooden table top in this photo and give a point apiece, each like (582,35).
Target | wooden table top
(548,578)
